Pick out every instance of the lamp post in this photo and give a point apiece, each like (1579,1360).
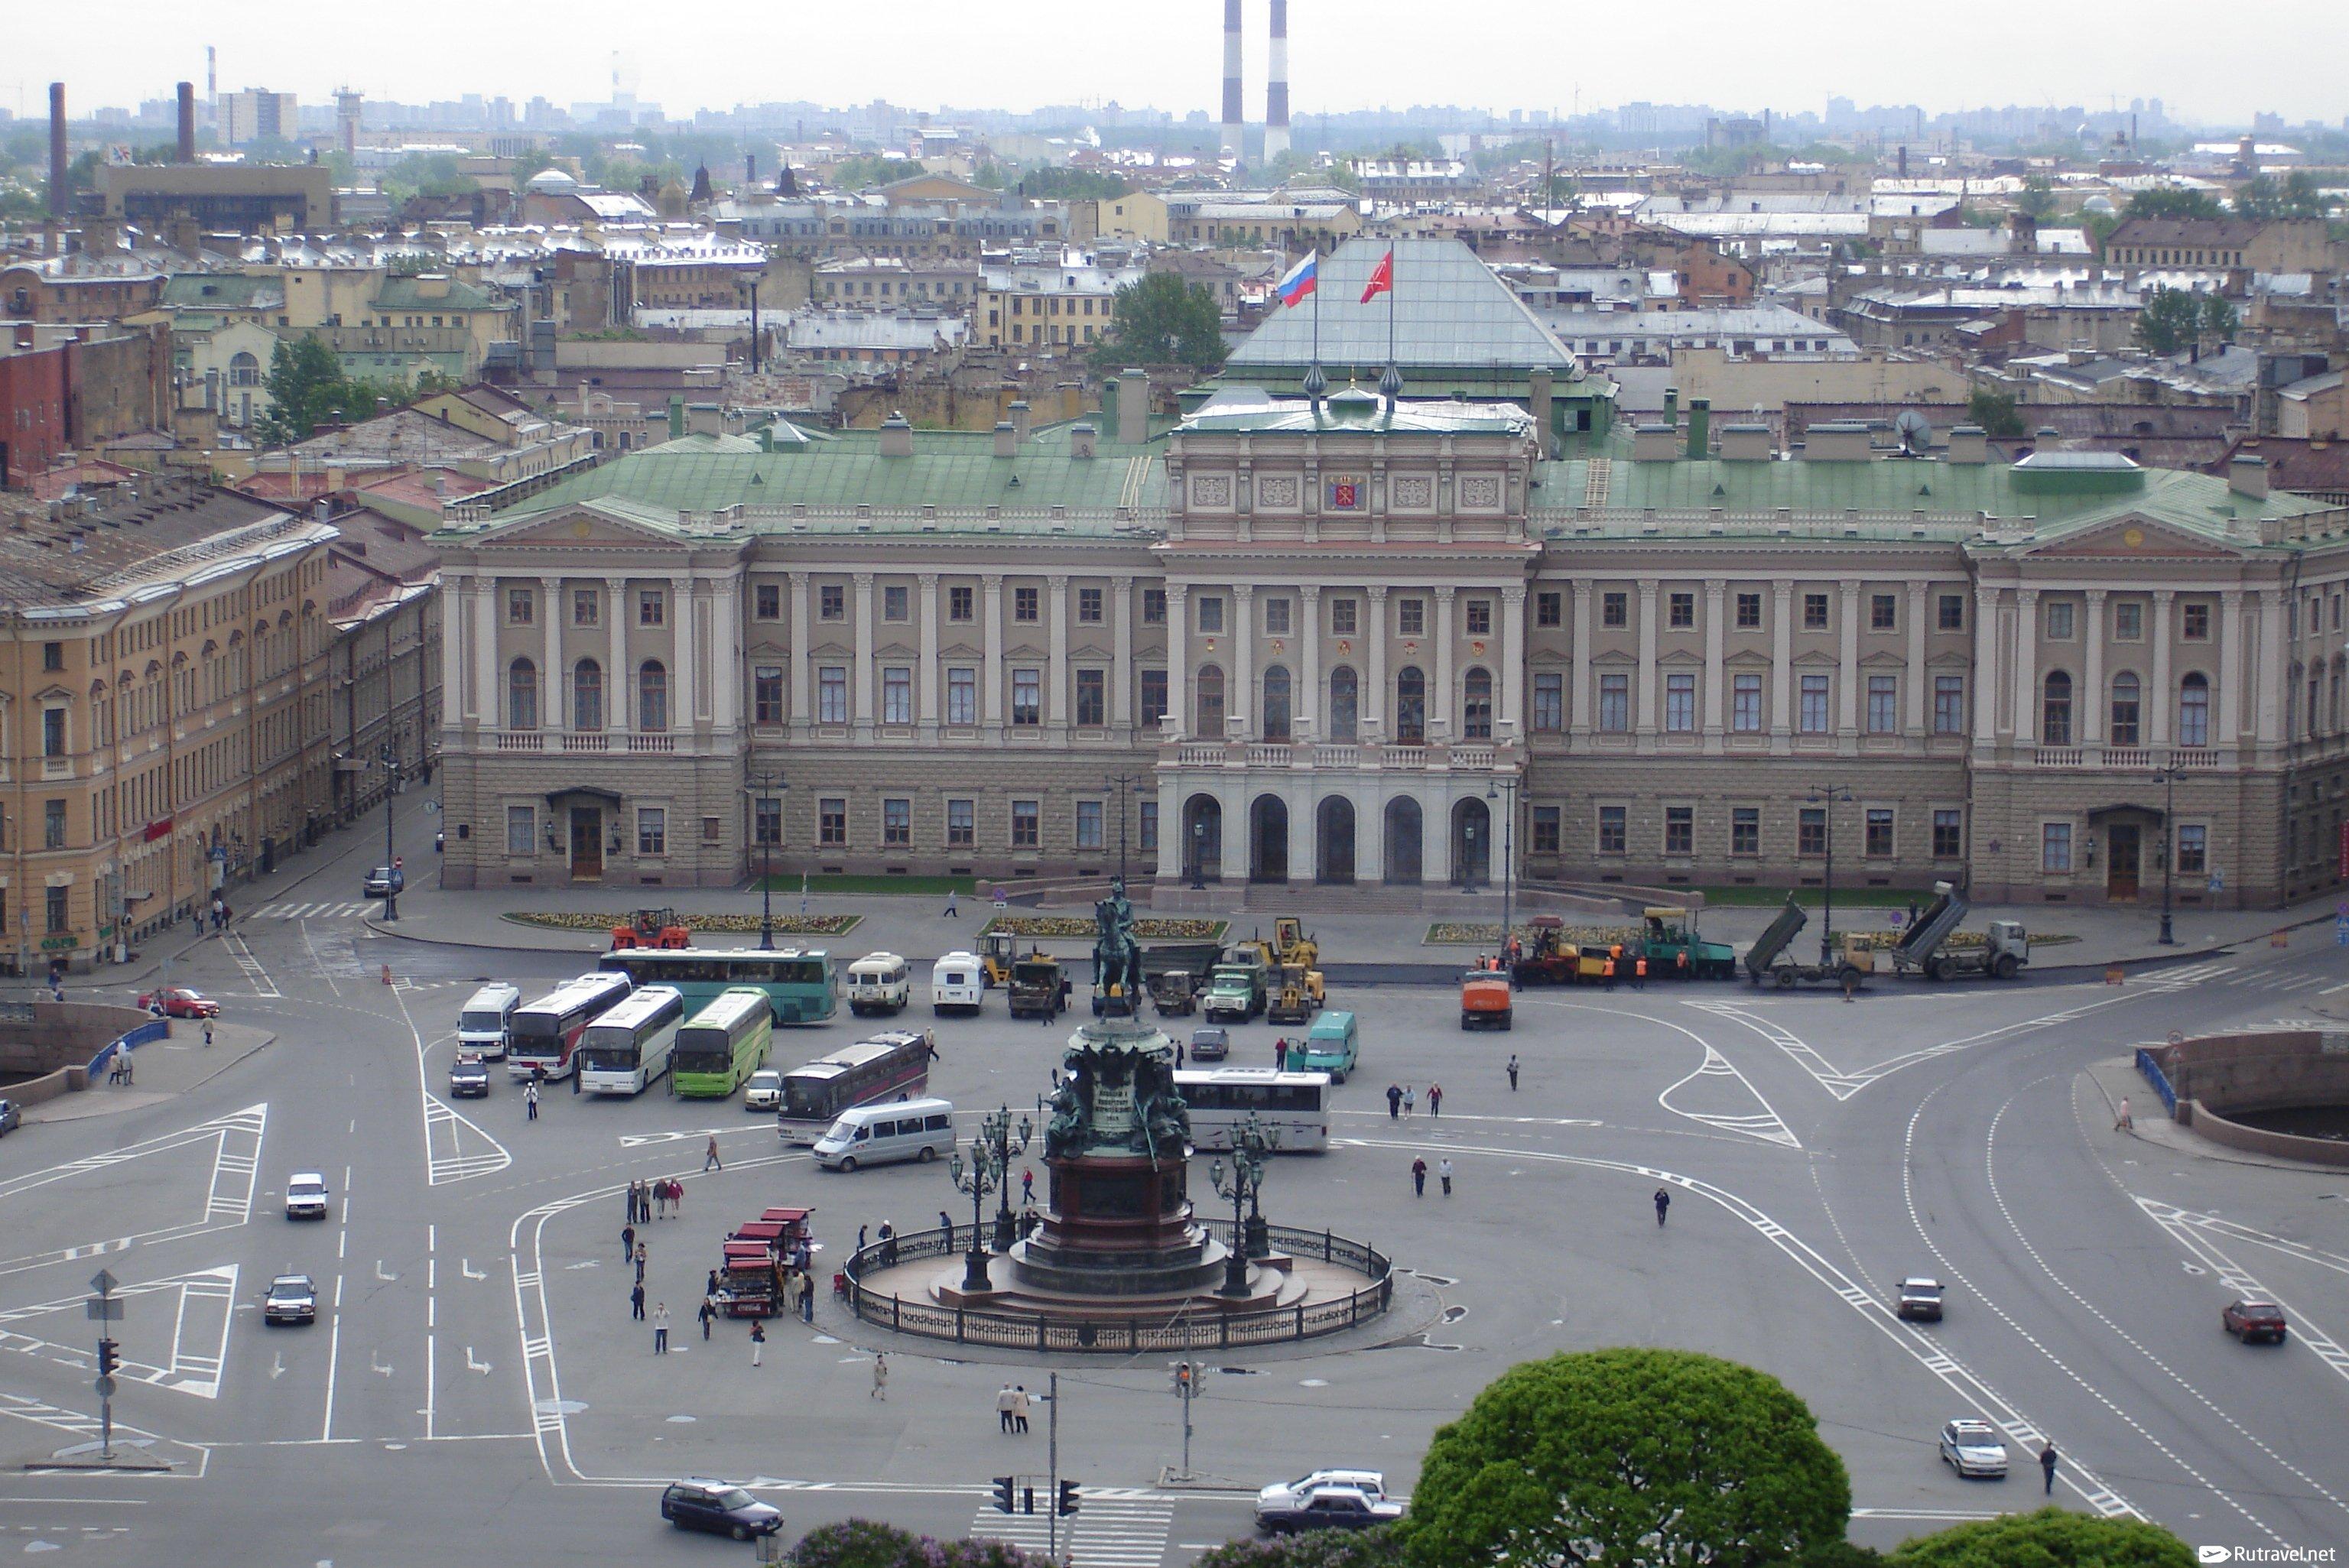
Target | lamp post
(1004,1144)
(981,1176)
(759,785)
(1199,855)
(1469,858)
(1128,784)
(390,759)
(2168,848)
(1497,790)
(1240,1183)
(1831,795)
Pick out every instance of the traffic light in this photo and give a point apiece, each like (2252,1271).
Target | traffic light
(1003,1494)
(1183,1377)
(108,1357)
(1068,1499)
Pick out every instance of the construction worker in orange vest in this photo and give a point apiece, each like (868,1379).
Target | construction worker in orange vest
(1639,973)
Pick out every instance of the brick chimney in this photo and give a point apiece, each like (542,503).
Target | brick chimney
(897,436)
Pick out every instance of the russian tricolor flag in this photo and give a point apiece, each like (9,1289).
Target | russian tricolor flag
(1299,280)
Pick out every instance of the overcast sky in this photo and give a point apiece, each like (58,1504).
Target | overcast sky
(2215,63)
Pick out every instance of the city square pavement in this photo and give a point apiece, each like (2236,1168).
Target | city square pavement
(477,1387)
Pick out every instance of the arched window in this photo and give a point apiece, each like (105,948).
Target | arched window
(1275,702)
(2194,711)
(587,696)
(1210,704)
(1344,699)
(2124,710)
(244,370)
(2055,710)
(1410,706)
(1477,705)
(521,694)
(652,697)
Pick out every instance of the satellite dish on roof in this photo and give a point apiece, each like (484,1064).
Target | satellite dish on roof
(1916,432)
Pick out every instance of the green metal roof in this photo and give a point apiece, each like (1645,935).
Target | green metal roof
(407,293)
(223,291)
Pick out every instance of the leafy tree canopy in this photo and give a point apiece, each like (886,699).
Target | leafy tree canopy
(1163,320)
(2051,1538)
(307,389)
(1378,1548)
(2172,203)
(865,171)
(1995,411)
(2176,319)
(2296,195)
(1057,182)
(865,1543)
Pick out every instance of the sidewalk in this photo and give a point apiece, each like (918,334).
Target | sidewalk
(2117,1078)
(161,1070)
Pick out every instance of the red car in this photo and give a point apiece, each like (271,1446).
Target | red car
(2249,1320)
(180,1002)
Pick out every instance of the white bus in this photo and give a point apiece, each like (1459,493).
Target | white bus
(482,1022)
(879,983)
(1293,1108)
(627,1047)
(543,1035)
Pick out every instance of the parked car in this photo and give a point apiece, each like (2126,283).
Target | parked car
(1211,1043)
(292,1298)
(1973,1448)
(718,1507)
(383,882)
(1327,1508)
(10,1116)
(1919,1299)
(180,1002)
(2249,1320)
(468,1078)
(763,1089)
(305,1196)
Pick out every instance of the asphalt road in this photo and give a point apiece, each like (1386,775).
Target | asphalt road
(476,1386)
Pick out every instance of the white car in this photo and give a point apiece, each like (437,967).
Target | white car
(763,1089)
(305,1196)
(1292,1495)
(1973,1448)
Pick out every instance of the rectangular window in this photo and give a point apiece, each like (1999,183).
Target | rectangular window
(2128,621)
(832,602)
(652,607)
(1026,605)
(1027,698)
(2193,849)
(1089,825)
(1092,698)
(521,830)
(2197,621)
(1345,617)
(1745,830)
(1211,613)
(2055,846)
(767,819)
(1679,830)
(1877,841)
(1145,827)
(53,824)
(1881,614)
(1614,831)
(1547,840)
(1745,705)
(1480,617)
(1549,609)
(1550,702)
(1815,611)
(2059,622)
(1153,607)
(58,920)
(1410,618)
(896,602)
(961,602)
(53,732)
(1154,697)
(1811,831)
(1949,833)
(1679,703)
(1952,612)
(1027,825)
(767,693)
(768,602)
(1883,705)
(1948,705)
(896,693)
(832,821)
(1749,612)
(1277,617)
(652,831)
(1679,611)
(53,655)
(896,824)
(1814,719)
(713,830)
(586,607)
(1615,704)
(1089,606)
(962,695)
(521,606)
(831,694)
(1614,609)
(962,824)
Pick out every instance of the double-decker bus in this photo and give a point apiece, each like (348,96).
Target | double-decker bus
(720,1046)
(627,1047)
(1293,1108)
(544,1034)
(802,985)
(887,1067)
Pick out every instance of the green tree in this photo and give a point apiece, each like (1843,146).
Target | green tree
(1994,412)
(864,171)
(2297,195)
(2175,319)
(302,378)
(865,1543)
(1379,1548)
(1057,182)
(2051,1538)
(1627,1456)
(1163,320)
(2037,198)
(437,175)
(2170,202)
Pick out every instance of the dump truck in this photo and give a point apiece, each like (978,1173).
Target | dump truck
(1923,948)
(1236,988)
(1770,958)
(1486,1000)
(1672,934)
(1174,991)
(1295,995)
(1036,984)
(1547,959)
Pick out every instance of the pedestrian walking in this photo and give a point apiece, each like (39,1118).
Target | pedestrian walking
(1003,1408)
(709,1161)
(628,1244)
(952,894)
(643,1251)
(676,1198)
(1419,1177)
(1443,1174)
(660,1328)
(2124,1121)
(1280,1054)
(1435,1100)
(1027,1185)
(1850,978)
(530,1097)
(860,1238)
(946,1224)
(1513,1072)
(1409,1102)
(807,1297)
(1394,1101)
(1663,1201)
(1019,1408)
(880,1376)
(636,1302)
(2047,1457)
(757,1340)
(208,1026)
(888,1245)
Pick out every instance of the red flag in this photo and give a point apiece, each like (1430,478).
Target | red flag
(1381,279)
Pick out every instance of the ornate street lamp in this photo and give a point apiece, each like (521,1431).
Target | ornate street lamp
(1004,1144)
(983,1175)
(1831,796)
(1240,1183)
(759,786)
(391,759)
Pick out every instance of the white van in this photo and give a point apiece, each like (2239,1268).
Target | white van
(894,1129)
(958,985)
(879,983)
(482,1022)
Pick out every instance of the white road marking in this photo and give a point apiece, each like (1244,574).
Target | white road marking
(228,1197)
(1109,1532)
(1765,1126)
(453,1142)
(263,985)
(197,1357)
(1800,1052)
(2193,1233)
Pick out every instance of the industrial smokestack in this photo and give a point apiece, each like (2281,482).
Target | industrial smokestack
(1276,86)
(57,147)
(1232,78)
(211,81)
(187,151)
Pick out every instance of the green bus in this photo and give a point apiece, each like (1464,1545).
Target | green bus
(802,985)
(721,1044)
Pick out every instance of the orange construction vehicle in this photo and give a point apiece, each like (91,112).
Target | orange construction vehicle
(1486,1001)
(652,928)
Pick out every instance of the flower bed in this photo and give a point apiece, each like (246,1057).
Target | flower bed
(798,924)
(1487,933)
(1146,928)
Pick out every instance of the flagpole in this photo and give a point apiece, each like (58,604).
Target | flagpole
(1390,299)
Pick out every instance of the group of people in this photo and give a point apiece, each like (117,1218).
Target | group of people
(1011,1409)
(1418,1176)
(1402,1099)
(661,1199)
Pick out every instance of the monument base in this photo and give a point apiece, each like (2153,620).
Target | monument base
(1029,1291)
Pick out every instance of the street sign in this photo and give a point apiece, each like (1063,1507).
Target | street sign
(103,1310)
(106,1387)
(102,1281)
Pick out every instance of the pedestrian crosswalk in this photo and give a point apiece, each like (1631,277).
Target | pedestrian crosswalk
(1108,1533)
(2185,977)
(311,911)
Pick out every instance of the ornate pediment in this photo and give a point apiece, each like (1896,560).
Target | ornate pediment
(2134,537)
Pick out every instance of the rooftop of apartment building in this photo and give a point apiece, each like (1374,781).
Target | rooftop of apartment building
(96,546)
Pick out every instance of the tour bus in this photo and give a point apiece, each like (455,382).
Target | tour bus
(543,1035)
(482,1022)
(1293,1108)
(627,1047)
(958,985)
(883,1068)
(723,1045)
(879,983)
(801,986)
